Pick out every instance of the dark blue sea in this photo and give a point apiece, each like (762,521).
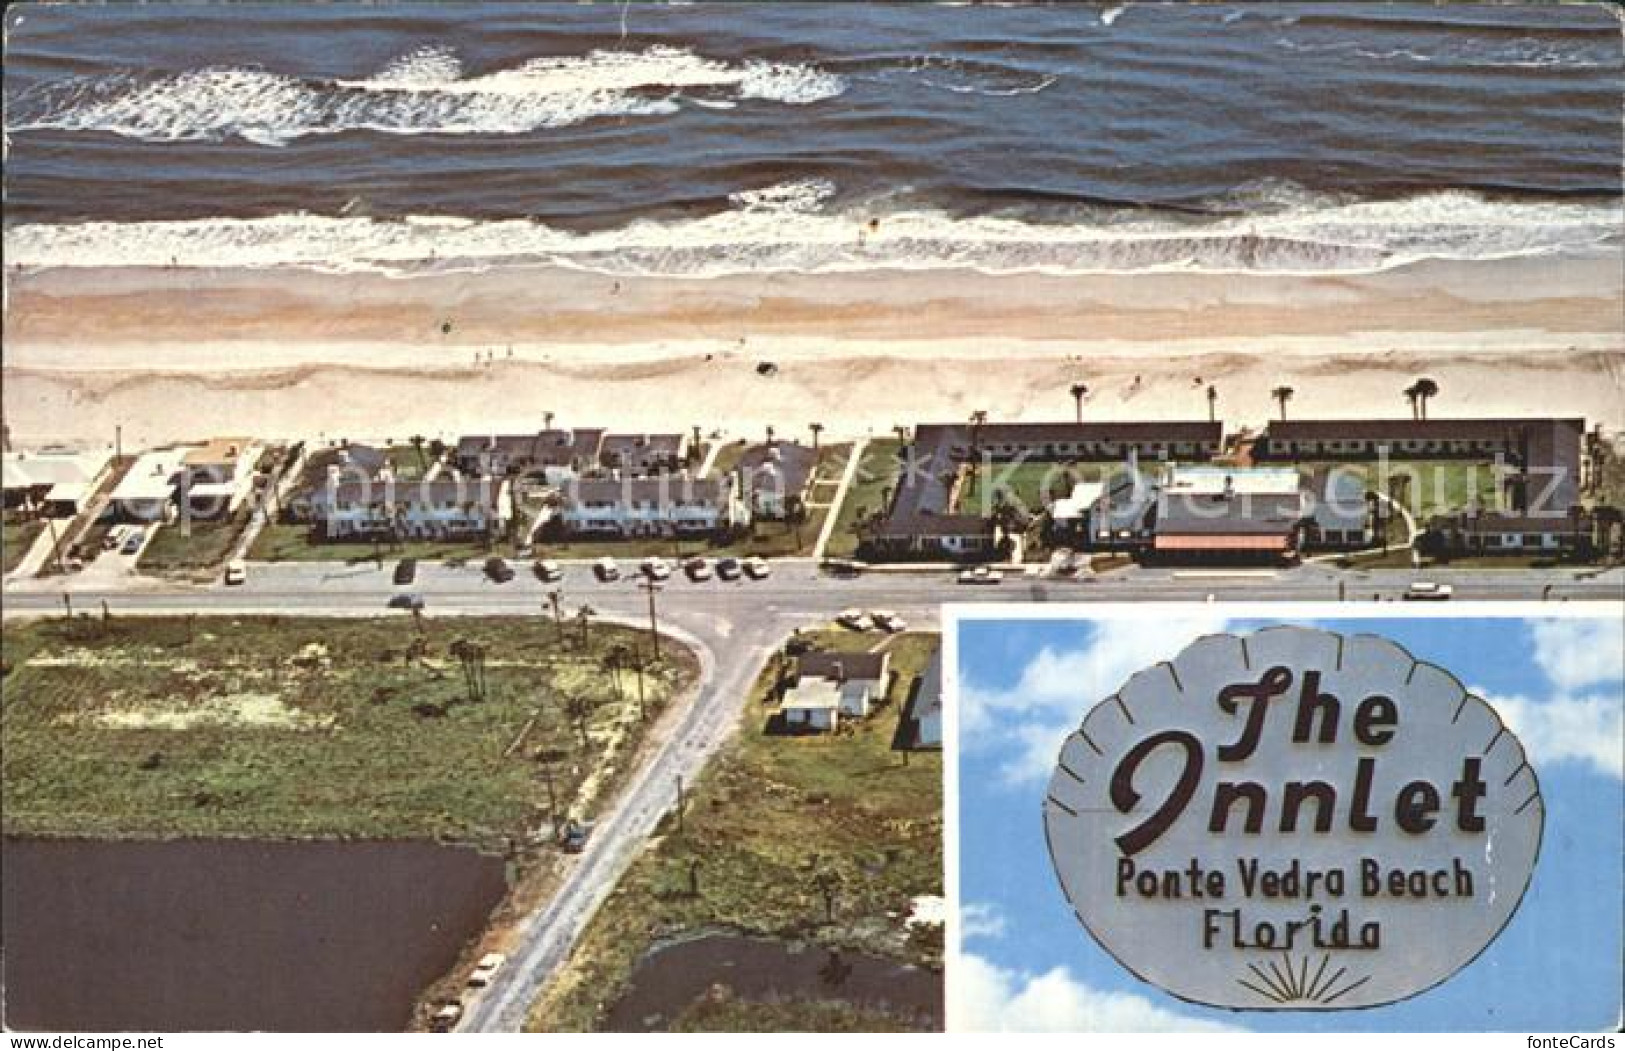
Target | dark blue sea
(707,138)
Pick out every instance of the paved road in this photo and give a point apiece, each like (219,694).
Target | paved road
(733,626)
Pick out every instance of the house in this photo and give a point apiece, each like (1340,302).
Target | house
(640,455)
(775,478)
(148,489)
(54,481)
(1496,533)
(1227,524)
(1526,442)
(328,468)
(439,509)
(667,505)
(555,455)
(926,712)
(830,686)
(921,521)
(217,476)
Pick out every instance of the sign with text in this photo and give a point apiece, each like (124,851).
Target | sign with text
(1293,819)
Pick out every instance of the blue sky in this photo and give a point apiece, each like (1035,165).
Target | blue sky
(1028,964)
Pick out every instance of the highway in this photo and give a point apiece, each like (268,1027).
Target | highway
(733,626)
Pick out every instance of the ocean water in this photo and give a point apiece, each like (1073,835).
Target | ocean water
(702,139)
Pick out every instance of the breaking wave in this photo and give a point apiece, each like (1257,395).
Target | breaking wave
(790,227)
(423,92)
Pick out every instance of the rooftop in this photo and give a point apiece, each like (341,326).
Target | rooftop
(841,665)
(216,451)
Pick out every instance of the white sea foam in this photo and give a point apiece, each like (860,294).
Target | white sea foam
(425,91)
(787,228)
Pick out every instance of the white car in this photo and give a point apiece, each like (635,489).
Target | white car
(888,621)
(236,572)
(855,619)
(1428,591)
(756,568)
(445,1019)
(656,568)
(548,571)
(980,575)
(486,969)
(606,569)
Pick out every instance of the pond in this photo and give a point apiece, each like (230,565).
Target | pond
(672,977)
(186,935)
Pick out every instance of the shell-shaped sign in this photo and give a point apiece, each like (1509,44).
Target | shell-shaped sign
(1293,819)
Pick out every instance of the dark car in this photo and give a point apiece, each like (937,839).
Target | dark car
(406,600)
(406,571)
(498,570)
(729,568)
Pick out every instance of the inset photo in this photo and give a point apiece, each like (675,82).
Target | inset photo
(1284,818)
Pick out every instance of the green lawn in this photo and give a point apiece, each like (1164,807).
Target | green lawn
(285,542)
(15,540)
(1435,487)
(273,726)
(878,471)
(1028,484)
(203,550)
(770,816)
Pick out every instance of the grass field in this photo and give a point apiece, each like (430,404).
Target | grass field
(285,542)
(771,817)
(877,471)
(1027,484)
(272,726)
(205,549)
(1435,487)
(15,540)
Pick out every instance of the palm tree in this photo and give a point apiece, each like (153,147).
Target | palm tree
(547,421)
(817,429)
(584,617)
(1425,389)
(1078,391)
(978,420)
(770,434)
(417,441)
(1282,395)
(1414,398)
(1212,403)
(578,710)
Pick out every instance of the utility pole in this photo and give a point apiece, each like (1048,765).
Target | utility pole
(118,441)
(654,625)
(67,605)
(554,599)
(680,802)
(552,800)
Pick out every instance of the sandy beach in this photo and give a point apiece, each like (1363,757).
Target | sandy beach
(183,353)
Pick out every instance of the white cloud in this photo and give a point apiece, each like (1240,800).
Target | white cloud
(1576,653)
(1028,721)
(1588,730)
(990,998)
(980,919)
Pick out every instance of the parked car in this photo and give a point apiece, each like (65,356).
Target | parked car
(446,1016)
(606,569)
(406,600)
(236,571)
(486,969)
(498,570)
(115,537)
(888,621)
(855,619)
(756,568)
(841,567)
(406,571)
(573,837)
(1428,591)
(548,571)
(729,568)
(133,542)
(698,569)
(656,568)
(980,575)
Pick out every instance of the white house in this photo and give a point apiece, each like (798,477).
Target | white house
(439,509)
(830,686)
(927,712)
(662,506)
(217,476)
(147,491)
(55,481)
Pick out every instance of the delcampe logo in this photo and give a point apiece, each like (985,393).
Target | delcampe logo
(1293,819)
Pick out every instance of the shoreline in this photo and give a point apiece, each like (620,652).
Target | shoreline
(179,354)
